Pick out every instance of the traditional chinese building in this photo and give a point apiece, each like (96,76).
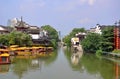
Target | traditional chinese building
(22,26)
(4,30)
(81,36)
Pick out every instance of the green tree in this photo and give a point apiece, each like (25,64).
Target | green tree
(53,34)
(76,30)
(4,39)
(20,38)
(67,38)
(107,39)
(92,42)
(17,38)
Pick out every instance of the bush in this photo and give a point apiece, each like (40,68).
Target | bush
(116,51)
(99,52)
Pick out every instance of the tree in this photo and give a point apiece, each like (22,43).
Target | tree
(53,34)
(76,30)
(67,38)
(4,39)
(107,39)
(18,38)
(92,42)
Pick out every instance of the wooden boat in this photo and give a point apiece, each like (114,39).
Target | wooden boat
(28,51)
(13,49)
(49,49)
(4,56)
(23,51)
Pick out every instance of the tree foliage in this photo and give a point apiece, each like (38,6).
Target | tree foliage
(53,34)
(17,38)
(92,42)
(107,39)
(4,39)
(67,38)
(104,42)
(76,30)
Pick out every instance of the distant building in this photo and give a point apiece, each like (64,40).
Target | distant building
(34,32)
(13,22)
(21,26)
(81,36)
(75,41)
(39,36)
(78,38)
(4,30)
(97,29)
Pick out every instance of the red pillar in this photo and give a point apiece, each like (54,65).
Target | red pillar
(116,38)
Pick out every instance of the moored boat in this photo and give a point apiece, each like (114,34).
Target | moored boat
(4,56)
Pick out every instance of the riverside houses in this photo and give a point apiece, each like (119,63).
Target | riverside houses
(116,31)
(38,35)
(4,30)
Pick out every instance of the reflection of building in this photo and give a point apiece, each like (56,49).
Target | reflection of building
(35,63)
(75,57)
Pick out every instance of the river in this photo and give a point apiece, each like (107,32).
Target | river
(62,64)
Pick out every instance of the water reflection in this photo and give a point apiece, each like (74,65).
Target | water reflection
(62,64)
(4,69)
(25,64)
(89,63)
(75,57)
(117,70)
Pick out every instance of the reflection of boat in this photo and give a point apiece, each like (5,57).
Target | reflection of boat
(4,56)
(4,68)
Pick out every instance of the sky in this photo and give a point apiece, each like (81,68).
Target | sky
(63,15)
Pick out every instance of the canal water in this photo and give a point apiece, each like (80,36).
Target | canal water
(61,64)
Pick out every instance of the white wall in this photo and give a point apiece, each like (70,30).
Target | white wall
(35,36)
